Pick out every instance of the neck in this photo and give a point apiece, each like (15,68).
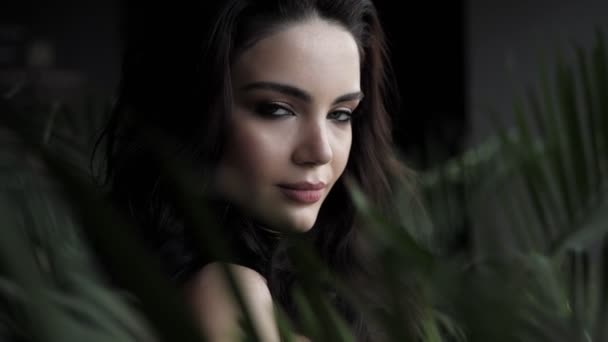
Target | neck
(251,241)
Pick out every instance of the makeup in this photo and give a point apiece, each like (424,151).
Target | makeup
(303,192)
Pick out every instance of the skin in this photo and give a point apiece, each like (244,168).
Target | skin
(297,138)
(217,309)
(278,137)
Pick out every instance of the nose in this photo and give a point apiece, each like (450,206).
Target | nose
(313,145)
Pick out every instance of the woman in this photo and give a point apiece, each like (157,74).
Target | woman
(277,103)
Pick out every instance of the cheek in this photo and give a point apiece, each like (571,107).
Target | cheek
(253,150)
(341,151)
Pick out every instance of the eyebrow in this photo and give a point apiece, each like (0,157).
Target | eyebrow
(297,92)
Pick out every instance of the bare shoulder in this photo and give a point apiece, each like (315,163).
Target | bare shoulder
(211,278)
(216,308)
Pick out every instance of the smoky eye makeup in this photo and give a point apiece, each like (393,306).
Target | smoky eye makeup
(345,114)
(272,109)
(269,108)
(341,115)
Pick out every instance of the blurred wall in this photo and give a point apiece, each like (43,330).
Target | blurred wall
(74,45)
(427,45)
(453,60)
(506,39)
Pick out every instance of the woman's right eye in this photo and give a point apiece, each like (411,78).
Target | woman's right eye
(273,110)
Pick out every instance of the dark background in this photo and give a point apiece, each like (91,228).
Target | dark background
(453,59)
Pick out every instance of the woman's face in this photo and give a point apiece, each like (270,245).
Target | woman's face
(289,134)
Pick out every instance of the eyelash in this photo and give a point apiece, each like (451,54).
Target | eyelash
(269,110)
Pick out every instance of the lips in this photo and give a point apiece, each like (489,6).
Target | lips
(303,192)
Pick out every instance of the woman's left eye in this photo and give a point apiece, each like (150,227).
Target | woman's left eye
(341,115)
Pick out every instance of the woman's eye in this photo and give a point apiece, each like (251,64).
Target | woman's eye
(341,115)
(272,110)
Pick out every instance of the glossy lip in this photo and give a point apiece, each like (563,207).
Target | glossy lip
(303,192)
(303,186)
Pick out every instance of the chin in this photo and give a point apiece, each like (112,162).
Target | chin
(288,217)
(302,228)
(300,224)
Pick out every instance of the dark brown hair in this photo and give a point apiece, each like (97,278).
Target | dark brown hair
(176,77)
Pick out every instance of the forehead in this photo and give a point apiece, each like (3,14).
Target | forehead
(315,55)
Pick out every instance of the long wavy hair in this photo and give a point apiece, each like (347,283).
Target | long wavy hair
(176,78)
